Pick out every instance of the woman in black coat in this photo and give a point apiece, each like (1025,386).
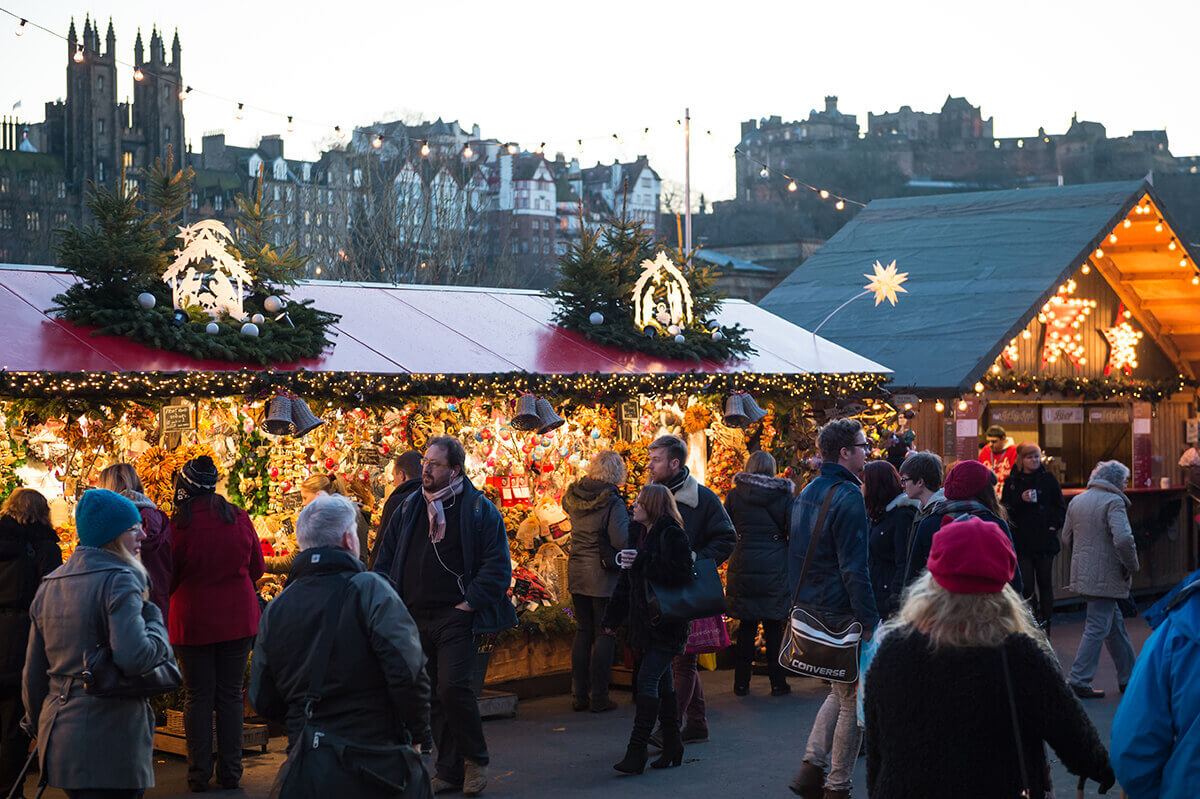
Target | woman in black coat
(664,556)
(941,678)
(759,505)
(1036,511)
(891,512)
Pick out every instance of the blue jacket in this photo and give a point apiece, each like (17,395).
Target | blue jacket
(485,556)
(1156,732)
(837,580)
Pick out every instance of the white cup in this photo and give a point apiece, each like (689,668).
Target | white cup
(626,557)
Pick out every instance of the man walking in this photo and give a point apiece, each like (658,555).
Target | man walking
(406,480)
(375,690)
(446,551)
(836,583)
(711,535)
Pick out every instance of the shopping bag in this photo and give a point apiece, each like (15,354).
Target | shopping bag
(865,653)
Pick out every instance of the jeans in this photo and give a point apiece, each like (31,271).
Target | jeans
(1037,570)
(449,644)
(592,655)
(693,712)
(654,673)
(743,651)
(1103,625)
(212,681)
(835,737)
(14,743)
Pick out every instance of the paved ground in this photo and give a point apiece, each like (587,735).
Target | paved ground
(757,743)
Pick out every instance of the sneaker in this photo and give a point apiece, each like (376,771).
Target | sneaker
(475,778)
(782,689)
(694,735)
(1086,691)
(444,786)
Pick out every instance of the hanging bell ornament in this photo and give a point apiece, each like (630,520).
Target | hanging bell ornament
(306,420)
(526,416)
(753,412)
(735,412)
(549,419)
(278,419)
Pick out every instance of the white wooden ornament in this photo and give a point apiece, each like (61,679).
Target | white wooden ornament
(206,273)
(661,295)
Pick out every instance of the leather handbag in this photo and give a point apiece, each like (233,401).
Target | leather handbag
(699,598)
(816,643)
(102,677)
(320,765)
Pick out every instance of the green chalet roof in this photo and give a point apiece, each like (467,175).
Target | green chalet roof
(980,266)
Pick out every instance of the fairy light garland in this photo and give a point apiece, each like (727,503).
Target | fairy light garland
(795,184)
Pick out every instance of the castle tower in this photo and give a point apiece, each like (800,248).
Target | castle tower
(157,107)
(93,128)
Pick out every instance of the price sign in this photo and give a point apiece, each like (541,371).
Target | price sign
(177,418)
(369,455)
(291,501)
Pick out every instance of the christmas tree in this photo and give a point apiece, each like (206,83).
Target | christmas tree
(272,269)
(168,192)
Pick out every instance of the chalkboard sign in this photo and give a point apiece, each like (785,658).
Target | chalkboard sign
(291,501)
(177,418)
(369,455)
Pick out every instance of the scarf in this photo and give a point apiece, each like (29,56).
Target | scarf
(675,483)
(437,513)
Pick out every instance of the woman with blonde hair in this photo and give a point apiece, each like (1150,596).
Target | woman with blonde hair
(314,486)
(156,548)
(89,745)
(664,556)
(599,527)
(963,670)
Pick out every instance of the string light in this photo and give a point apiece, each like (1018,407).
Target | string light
(138,75)
(184,92)
(512,149)
(793,184)
(337,130)
(238,113)
(20,29)
(1063,315)
(377,141)
(1122,342)
(939,406)
(78,57)
(467,152)
(291,127)
(425,149)
(1101,388)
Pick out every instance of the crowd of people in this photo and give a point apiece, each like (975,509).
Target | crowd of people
(946,573)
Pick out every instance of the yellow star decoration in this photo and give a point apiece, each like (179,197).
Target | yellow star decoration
(885,282)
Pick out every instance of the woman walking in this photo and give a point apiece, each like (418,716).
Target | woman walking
(95,746)
(599,527)
(963,671)
(156,549)
(891,512)
(214,617)
(663,555)
(1036,510)
(760,507)
(28,552)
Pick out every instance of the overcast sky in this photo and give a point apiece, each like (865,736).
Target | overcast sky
(558,72)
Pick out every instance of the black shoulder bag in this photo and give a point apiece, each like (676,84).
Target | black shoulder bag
(102,677)
(320,765)
(815,645)
(608,553)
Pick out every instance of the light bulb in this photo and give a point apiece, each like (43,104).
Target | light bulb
(1158,228)
(1099,253)
(542,146)
(1196,279)
(1183,261)
(78,57)
(238,114)
(425,148)
(763,173)
(20,31)
(792,186)
(939,406)
(1171,246)
(468,153)
(512,149)
(1128,223)
(1113,238)
(978,388)
(962,405)
(1087,270)
(839,205)
(824,194)
(377,142)
(291,126)
(1026,334)
(138,74)
(184,92)
(337,130)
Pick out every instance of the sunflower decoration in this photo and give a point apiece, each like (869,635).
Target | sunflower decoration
(697,418)
(157,468)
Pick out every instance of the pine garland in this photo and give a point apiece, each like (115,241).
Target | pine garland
(1100,388)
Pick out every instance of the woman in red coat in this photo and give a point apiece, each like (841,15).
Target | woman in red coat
(214,618)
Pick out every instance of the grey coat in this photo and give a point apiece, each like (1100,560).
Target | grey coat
(1100,541)
(597,511)
(85,741)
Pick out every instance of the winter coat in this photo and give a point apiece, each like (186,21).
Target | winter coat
(28,552)
(485,556)
(376,654)
(398,495)
(1155,737)
(941,514)
(1034,525)
(837,582)
(216,565)
(664,557)
(886,553)
(1100,541)
(953,703)
(86,741)
(597,513)
(756,584)
(156,555)
(707,525)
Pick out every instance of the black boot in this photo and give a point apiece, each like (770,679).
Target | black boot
(643,721)
(742,670)
(668,720)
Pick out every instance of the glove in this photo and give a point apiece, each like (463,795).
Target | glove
(1106,779)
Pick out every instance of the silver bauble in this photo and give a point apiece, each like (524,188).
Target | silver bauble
(249,329)
(147,300)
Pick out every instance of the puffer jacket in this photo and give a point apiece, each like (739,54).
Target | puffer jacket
(887,555)
(1035,525)
(756,584)
(89,741)
(665,557)
(1100,541)
(157,556)
(597,513)
(28,552)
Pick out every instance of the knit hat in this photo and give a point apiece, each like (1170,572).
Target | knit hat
(197,478)
(968,479)
(972,557)
(102,515)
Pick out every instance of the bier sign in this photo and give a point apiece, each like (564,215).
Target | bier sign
(177,418)
(1062,414)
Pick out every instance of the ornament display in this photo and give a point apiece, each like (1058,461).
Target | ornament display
(249,329)
(147,300)
(272,304)
(258,319)
(1063,315)
(679,339)
(717,335)
(212,328)
(596,318)
(661,294)
(884,283)
(205,272)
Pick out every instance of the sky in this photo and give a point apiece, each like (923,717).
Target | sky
(583,69)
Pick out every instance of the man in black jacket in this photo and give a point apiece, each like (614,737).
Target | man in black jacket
(711,535)
(406,480)
(375,689)
(446,551)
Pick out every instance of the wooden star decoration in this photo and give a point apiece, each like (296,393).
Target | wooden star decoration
(1122,344)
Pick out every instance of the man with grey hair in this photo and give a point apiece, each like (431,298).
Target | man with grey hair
(375,689)
(1103,555)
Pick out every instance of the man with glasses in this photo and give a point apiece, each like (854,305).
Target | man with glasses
(838,585)
(446,551)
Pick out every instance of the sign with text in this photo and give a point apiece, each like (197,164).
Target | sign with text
(1014,415)
(1062,414)
(369,455)
(1143,455)
(291,501)
(1108,415)
(966,428)
(177,418)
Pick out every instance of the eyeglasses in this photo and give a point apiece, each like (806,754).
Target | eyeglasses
(866,445)
(904,480)
(426,462)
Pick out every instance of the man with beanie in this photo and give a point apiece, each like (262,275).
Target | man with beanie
(836,583)
(446,551)
(999,454)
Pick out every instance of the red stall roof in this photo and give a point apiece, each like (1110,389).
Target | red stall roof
(388,329)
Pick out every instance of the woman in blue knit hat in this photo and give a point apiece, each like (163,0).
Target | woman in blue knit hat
(88,744)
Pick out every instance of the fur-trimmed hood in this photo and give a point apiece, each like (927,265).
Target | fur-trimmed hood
(141,500)
(761,489)
(587,495)
(903,500)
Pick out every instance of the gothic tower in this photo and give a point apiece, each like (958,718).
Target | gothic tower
(157,106)
(93,128)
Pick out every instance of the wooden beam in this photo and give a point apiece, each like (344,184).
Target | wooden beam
(1159,303)
(1178,273)
(1190,355)
(1182,330)
(1145,316)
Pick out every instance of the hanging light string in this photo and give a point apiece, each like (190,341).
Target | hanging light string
(376,134)
(795,184)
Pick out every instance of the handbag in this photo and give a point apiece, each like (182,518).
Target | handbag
(816,643)
(699,598)
(320,764)
(608,553)
(102,677)
(707,635)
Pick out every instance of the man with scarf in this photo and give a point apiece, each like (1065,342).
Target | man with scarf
(446,551)
(711,535)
